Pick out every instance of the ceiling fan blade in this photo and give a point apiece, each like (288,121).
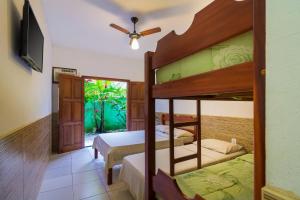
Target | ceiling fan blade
(150,31)
(119,28)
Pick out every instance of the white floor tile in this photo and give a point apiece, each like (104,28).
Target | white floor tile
(60,156)
(120,194)
(55,183)
(99,197)
(77,175)
(53,164)
(116,186)
(83,153)
(84,177)
(89,189)
(59,194)
(57,172)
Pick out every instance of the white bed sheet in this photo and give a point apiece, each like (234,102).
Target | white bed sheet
(115,146)
(133,167)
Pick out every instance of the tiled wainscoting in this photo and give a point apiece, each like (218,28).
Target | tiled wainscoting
(24,157)
(225,128)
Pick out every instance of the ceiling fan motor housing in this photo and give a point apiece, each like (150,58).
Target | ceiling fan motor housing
(134,20)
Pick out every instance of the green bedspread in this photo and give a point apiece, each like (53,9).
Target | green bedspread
(231,180)
(230,52)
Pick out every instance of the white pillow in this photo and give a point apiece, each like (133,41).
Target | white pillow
(220,146)
(177,132)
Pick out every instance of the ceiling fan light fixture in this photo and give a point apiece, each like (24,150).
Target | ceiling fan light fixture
(134,43)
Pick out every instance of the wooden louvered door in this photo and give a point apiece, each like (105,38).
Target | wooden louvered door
(136,100)
(71,133)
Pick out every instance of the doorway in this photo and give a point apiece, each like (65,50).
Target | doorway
(105,106)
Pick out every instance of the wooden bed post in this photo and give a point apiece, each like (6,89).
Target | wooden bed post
(259,30)
(149,127)
(198,134)
(171,134)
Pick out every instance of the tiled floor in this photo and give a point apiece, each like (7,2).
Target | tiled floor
(88,140)
(76,175)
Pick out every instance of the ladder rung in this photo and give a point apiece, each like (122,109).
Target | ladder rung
(182,124)
(185,158)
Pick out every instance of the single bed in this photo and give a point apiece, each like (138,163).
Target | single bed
(115,146)
(133,166)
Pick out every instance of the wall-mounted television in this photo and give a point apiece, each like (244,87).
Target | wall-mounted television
(32,42)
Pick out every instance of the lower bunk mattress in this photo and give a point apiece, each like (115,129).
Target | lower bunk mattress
(230,180)
(133,166)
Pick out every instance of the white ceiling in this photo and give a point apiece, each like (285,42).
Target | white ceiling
(84,24)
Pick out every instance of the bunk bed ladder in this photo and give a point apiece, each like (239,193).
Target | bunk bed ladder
(172,125)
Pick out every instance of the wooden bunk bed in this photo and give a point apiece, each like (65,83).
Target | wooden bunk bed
(219,21)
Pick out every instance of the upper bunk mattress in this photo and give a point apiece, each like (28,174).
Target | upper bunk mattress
(234,51)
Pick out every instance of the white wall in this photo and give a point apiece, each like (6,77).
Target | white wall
(283,94)
(212,108)
(94,64)
(25,93)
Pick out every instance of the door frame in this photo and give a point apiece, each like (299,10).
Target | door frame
(110,79)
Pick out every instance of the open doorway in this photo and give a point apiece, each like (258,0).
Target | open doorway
(105,106)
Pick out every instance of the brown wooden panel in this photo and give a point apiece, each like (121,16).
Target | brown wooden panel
(66,112)
(66,88)
(76,111)
(137,110)
(77,134)
(71,114)
(77,88)
(67,135)
(218,22)
(136,107)
(137,91)
(23,158)
(235,79)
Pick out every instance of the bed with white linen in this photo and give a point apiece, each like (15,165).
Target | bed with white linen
(115,146)
(133,167)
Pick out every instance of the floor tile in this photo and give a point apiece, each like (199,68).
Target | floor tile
(83,153)
(53,164)
(120,194)
(116,186)
(84,177)
(55,183)
(77,175)
(57,172)
(89,189)
(61,156)
(99,197)
(59,194)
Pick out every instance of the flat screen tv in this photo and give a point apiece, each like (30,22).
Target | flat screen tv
(32,42)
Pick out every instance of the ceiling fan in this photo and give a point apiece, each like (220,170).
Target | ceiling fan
(134,36)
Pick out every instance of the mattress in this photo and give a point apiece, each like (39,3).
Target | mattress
(233,51)
(133,167)
(115,146)
(221,181)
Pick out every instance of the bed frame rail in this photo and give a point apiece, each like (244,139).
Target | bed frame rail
(167,188)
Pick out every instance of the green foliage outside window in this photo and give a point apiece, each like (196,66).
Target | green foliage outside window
(105,106)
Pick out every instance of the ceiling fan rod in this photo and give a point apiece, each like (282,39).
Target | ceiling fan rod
(134,21)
